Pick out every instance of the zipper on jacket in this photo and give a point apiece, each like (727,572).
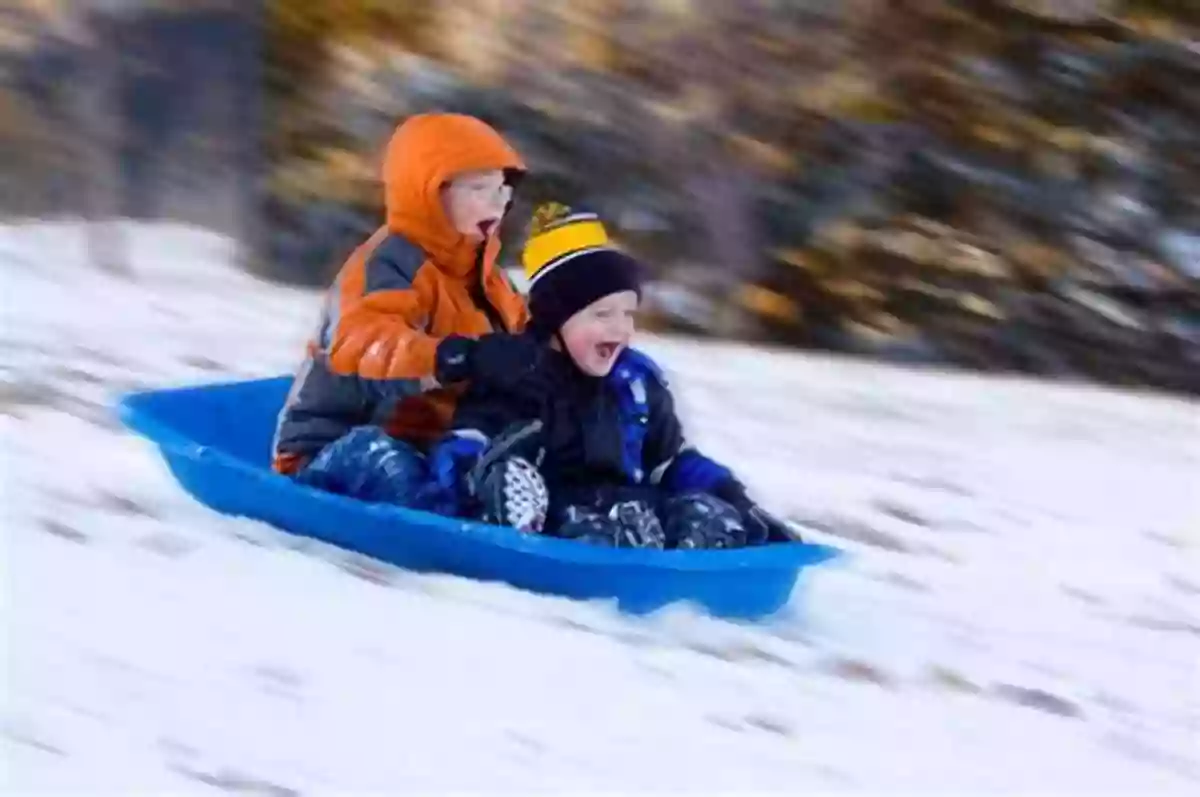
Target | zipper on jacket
(478,293)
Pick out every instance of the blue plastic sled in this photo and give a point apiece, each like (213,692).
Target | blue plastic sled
(216,439)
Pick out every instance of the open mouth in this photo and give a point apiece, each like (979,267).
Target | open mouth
(607,350)
(487,226)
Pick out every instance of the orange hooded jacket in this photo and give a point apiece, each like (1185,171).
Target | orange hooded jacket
(412,283)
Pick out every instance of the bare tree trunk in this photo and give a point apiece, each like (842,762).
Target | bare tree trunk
(97,141)
(733,66)
(535,33)
(717,185)
(248,124)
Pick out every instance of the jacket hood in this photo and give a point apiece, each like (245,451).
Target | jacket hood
(424,153)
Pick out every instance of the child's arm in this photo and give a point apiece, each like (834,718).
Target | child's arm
(679,468)
(480,417)
(376,330)
(672,462)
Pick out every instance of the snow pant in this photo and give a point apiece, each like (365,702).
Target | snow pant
(368,464)
(691,520)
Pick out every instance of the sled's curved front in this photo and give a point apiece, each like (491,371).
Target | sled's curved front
(216,439)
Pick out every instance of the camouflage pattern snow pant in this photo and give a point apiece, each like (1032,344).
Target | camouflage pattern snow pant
(626,524)
(687,521)
(370,465)
(700,520)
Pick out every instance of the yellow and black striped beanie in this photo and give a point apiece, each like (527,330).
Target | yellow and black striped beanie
(570,263)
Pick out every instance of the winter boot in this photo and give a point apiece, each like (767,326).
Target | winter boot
(507,487)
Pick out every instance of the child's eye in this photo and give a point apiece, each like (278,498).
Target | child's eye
(492,190)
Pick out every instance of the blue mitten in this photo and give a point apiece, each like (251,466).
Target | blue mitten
(691,471)
(449,463)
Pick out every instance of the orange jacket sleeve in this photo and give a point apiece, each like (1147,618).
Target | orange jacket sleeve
(376,330)
(378,338)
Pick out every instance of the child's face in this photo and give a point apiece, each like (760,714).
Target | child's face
(475,202)
(597,334)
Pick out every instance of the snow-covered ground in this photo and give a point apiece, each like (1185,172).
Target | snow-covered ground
(1021,614)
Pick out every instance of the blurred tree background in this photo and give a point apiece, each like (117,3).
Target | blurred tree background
(999,184)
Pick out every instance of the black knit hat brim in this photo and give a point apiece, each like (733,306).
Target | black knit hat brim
(572,285)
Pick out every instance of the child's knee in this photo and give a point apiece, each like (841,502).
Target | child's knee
(628,524)
(586,526)
(369,464)
(701,520)
(638,525)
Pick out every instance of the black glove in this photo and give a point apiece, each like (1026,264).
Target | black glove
(500,360)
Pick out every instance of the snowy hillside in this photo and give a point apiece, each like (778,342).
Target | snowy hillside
(1021,614)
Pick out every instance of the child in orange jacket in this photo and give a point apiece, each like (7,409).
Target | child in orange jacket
(418,309)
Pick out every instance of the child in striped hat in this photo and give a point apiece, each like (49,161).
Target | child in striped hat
(598,454)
